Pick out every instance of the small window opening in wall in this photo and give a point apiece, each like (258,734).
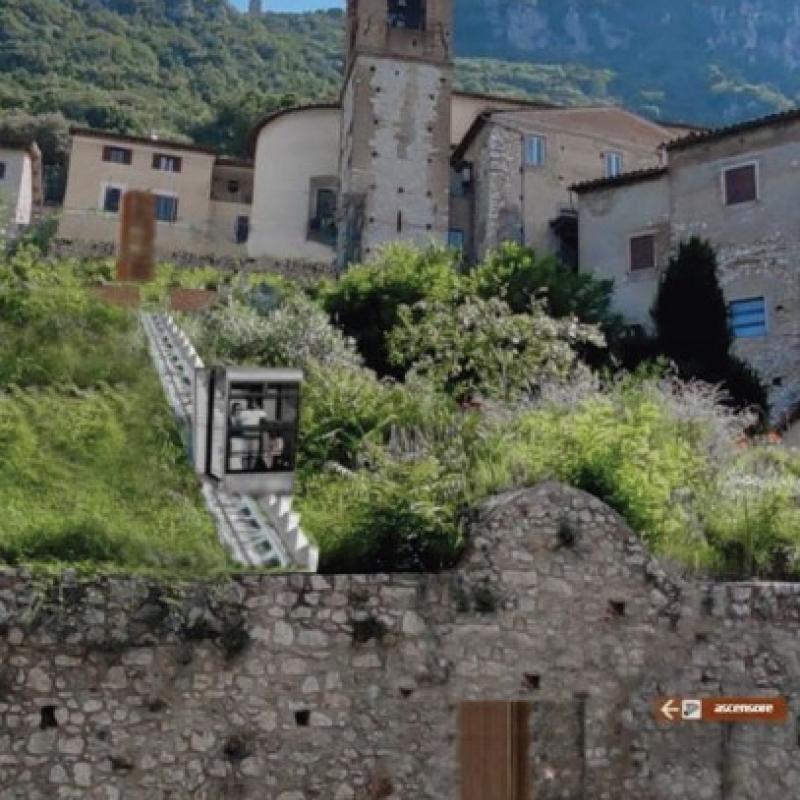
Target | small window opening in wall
(777,382)
(617,608)
(642,252)
(747,318)
(408,14)
(302,718)
(531,680)
(48,718)
(399,221)
(741,184)
(613,164)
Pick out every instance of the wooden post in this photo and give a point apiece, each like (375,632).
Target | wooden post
(136,257)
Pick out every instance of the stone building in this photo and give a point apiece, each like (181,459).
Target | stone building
(513,169)
(736,187)
(364,687)
(203,200)
(20,187)
(402,156)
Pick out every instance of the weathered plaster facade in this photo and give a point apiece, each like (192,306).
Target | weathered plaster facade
(518,201)
(607,220)
(20,187)
(292,149)
(207,212)
(757,242)
(347,687)
(395,140)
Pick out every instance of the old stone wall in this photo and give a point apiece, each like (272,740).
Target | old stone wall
(288,268)
(295,687)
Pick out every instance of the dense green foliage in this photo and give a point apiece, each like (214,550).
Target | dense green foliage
(92,469)
(481,347)
(692,327)
(204,71)
(388,469)
(366,301)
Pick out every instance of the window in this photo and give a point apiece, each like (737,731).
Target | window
(406,14)
(233,187)
(455,239)
(117,155)
(111,199)
(242,229)
(322,226)
(741,184)
(643,252)
(613,164)
(166,163)
(2,170)
(748,318)
(534,151)
(166,208)
(262,427)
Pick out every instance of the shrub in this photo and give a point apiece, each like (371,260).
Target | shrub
(517,275)
(366,301)
(481,346)
(395,519)
(294,333)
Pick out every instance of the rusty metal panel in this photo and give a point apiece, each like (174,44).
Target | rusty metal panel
(191,300)
(493,750)
(136,259)
(123,296)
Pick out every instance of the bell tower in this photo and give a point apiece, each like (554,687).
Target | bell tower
(395,142)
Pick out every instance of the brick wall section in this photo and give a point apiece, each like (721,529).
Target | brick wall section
(297,687)
(118,295)
(191,300)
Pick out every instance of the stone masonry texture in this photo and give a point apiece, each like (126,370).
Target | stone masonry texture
(346,687)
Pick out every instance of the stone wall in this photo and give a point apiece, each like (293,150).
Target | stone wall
(296,687)
(288,268)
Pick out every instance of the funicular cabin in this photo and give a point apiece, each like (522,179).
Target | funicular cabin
(246,428)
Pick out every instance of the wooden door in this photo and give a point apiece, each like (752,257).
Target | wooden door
(493,750)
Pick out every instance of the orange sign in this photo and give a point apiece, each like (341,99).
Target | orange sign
(136,260)
(722,709)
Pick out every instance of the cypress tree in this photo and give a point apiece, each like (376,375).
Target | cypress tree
(690,312)
(692,329)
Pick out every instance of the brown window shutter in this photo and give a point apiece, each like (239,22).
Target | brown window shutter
(740,184)
(178,163)
(106,153)
(493,750)
(643,252)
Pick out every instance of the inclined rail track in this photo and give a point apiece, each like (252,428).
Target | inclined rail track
(255,535)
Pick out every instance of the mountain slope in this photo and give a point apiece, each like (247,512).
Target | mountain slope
(199,69)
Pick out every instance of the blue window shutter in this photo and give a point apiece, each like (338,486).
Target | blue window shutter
(748,318)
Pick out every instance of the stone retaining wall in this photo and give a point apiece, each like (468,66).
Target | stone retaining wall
(293,269)
(296,687)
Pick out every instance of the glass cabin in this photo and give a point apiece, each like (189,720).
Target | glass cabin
(249,418)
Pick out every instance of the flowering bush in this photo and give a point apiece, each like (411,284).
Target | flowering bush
(481,346)
(294,333)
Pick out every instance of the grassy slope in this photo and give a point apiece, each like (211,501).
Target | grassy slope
(92,470)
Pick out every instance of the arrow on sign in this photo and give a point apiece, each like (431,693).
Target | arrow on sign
(669,708)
